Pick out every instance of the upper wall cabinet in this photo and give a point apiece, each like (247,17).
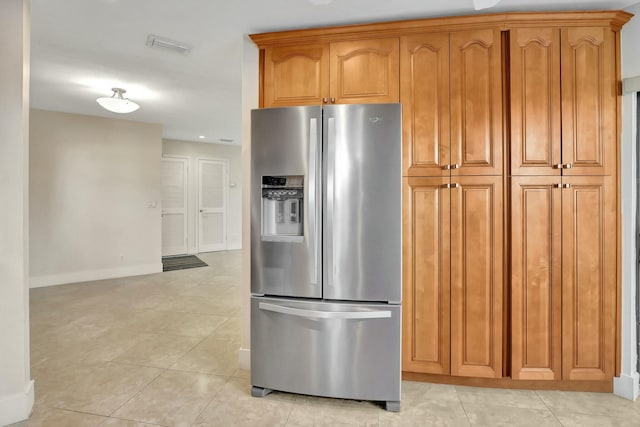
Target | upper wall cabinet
(563,127)
(296,75)
(452,99)
(350,72)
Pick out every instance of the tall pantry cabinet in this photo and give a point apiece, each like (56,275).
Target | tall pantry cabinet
(563,202)
(510,183)
(451,91)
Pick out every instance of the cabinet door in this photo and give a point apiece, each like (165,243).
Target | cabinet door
(535,101)
(365,71)
(424,92)
(588,101)
(588,278)
(476,102)
(296,75)
(426,276)
(476,276)
(536,278)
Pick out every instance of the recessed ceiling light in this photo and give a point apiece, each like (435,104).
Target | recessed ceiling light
(227,140)
(202,137)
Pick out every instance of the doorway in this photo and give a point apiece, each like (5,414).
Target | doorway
(213,185)
(174,206)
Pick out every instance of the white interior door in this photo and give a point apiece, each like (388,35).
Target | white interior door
(213,176)
(174,206)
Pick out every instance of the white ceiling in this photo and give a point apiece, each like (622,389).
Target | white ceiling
(80,49)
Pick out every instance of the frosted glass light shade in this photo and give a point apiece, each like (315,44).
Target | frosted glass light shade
(117,103)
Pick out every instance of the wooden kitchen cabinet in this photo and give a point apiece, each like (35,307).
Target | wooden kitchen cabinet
(505,274)
(588,278)
(296,75)
(535,101)
(476,102)
(349,72)
(589,100)
(453,277)
(424,91)
(451,87)
(426,284)
(563,101)
(563,278)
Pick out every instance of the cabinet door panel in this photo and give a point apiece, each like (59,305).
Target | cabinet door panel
(589,97)
(588,278)
(476,102)
(296,75)
(426,290)
(535,101)
(424,92)
(476,276)
(365,71)
(536,278)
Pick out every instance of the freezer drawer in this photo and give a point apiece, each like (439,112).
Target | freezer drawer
(343,350)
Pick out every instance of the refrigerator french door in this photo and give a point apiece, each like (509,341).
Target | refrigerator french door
(326,251)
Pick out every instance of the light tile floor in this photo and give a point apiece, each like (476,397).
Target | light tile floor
(162,350)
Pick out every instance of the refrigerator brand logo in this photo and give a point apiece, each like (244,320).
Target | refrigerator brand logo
(375,119)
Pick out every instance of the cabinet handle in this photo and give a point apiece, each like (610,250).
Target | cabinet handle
(325,100)
(455,166)
(333,100)
(456,185)
(564,166)
(557,185)
(446,167)
(566,185)
(446,185)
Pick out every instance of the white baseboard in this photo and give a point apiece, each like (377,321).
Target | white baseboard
(16,407)
(90,275)
(244,358)
(627,386)
(234,245)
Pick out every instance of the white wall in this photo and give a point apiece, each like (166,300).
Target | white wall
(249,101)
(627,385)
(16,387)
(95,198)
(202,150)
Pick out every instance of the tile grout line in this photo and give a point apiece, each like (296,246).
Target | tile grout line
(462,405)
(548,408)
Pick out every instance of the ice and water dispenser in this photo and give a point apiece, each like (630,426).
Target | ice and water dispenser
(282,207)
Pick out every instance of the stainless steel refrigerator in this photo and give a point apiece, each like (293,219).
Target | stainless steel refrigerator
(326,251)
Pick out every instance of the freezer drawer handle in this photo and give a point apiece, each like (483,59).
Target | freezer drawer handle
(316,314)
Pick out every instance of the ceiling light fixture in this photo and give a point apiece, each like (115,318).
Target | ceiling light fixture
(117,103)
(202,137)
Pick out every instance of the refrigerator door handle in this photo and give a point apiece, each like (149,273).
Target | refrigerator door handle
(319,314)
(331,171)
(312,203)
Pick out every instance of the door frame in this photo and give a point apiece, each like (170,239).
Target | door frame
(225,186)
(187,205)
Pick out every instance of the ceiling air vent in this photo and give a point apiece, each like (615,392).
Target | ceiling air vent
(167,44)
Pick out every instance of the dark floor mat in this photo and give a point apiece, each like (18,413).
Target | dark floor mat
(171,263)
